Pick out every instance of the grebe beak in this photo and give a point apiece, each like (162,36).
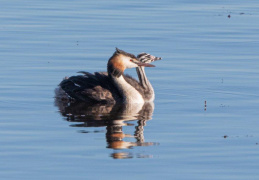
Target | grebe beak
(141,63)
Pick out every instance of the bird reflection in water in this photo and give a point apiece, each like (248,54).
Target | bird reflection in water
(113,117)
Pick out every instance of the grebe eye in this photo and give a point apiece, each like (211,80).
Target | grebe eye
(131,60)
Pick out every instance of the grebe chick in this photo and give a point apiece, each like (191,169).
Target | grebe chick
(143,80)
(111,87)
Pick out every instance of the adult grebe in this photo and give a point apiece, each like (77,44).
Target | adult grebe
(114,86)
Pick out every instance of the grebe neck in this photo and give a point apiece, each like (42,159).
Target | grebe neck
(128,92)
(145,82)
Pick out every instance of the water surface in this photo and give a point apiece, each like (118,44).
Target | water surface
(210,53)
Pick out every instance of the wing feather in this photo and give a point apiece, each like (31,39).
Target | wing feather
(95,88)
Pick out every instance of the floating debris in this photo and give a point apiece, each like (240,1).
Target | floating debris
(225,136)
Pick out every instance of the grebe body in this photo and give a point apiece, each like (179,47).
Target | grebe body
(112,86)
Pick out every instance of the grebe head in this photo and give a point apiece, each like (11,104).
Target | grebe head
(122,60)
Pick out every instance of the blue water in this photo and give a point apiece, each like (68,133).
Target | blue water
(210,53)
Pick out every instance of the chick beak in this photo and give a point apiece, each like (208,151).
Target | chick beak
(141,63)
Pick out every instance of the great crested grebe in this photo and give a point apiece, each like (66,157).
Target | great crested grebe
(112,86)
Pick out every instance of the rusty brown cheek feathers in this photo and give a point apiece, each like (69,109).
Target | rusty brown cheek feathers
(118,64)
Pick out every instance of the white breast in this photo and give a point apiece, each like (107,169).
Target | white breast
(130,94)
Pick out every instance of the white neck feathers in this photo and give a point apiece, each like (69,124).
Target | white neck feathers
(129,93)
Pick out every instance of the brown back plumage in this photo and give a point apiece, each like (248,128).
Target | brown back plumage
(92,88)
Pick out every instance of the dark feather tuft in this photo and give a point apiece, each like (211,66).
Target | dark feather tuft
(119,51)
